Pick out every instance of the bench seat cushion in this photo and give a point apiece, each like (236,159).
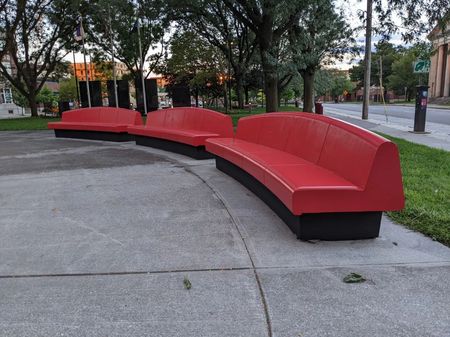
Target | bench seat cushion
(303,187)
(91,126)
(185,136)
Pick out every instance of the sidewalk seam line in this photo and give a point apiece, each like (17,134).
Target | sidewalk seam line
(235,222)
(299,268)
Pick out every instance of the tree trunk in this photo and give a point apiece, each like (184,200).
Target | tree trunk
(270,82)
(308,91)
(271,91)
(33,104)
(246,95)
(279,97)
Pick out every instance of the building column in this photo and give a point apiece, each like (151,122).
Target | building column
(447,76)
(440,62)
(432,75)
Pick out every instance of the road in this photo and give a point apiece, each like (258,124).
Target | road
(441,116)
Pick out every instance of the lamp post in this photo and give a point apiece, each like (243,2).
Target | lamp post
(223,80)
(229,72)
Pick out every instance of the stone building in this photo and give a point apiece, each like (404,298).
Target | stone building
(439,76)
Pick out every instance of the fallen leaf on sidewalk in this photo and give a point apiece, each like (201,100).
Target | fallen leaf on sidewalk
(187,283)
(354,278)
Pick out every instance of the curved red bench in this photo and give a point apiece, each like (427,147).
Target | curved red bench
(183,130)
(101,123)
(327,179)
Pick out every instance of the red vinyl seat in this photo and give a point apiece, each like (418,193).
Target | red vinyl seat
(316,164)
(103,127)
(102,119)
(191,126)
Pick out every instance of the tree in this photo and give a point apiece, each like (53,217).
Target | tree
(217,24)
(269,20)
(47,98)
(323,82)
(417,16)
(332,82)
(38,44)
(115,19)
(68,90)
(340,84)
(320,36)
(388,53)
(287,95)
(403,76)
(413,14)
(62,71)
(194,62)
(19,99)
(10,15)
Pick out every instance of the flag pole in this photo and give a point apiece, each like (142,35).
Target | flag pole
(142,67)
(85,65)
(112,58)
(76,77)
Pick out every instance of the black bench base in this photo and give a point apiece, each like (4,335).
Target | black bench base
(95,135)
(317,226)
(196,152)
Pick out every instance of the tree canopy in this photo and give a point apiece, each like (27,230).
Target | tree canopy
(115,19)
(38,44)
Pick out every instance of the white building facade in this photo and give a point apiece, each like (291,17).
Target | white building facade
(7,106)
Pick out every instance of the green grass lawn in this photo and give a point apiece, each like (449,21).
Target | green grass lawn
(426,181)
(426,178)
(26,123)
(239,113)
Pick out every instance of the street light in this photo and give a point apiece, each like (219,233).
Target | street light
(229,72)
(223,80)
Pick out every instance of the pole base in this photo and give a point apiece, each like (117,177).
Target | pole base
(420,132)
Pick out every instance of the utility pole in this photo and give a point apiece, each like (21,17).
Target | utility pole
(367,60)
(382,88)
(381,79)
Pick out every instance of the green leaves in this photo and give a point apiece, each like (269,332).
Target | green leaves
(187,283)
(353,278)
(116,18)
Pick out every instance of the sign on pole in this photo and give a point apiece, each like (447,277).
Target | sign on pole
(422,66)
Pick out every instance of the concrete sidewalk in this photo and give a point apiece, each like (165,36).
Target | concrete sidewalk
(438,136)
(98,238)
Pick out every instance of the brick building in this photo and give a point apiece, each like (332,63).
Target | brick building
(98,71)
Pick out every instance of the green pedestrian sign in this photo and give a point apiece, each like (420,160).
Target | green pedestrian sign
(422,66)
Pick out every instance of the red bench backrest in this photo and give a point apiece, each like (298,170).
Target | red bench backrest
(343,148)
(192,119)
(103,115)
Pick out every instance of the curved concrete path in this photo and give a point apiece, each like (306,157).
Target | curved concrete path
(97,239)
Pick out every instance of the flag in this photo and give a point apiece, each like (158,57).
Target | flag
(79,32)
(135,26)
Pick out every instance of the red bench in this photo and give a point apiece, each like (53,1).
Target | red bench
(101,123)
(326,179)
(183,130)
